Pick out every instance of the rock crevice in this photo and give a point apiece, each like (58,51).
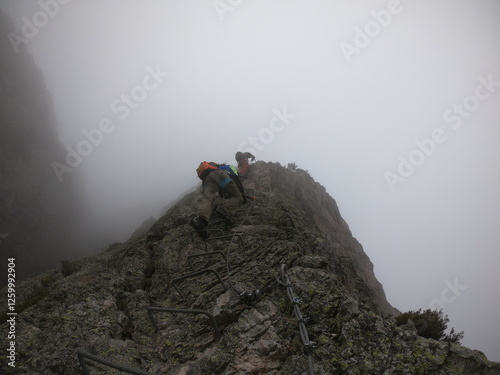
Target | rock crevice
(100,305)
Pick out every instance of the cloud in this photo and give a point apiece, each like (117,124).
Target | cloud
(353,120)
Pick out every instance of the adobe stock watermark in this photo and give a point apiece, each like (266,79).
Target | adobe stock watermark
(448,295)
(277,124)
(223,6)
(32,26)
(121,107)
(373,28)
(454,116)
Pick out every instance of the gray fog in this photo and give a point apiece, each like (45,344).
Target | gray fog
(393,106)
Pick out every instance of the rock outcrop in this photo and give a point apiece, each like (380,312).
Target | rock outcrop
(287,291)
(35,207)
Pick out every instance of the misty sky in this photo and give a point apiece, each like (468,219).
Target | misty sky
(393,106)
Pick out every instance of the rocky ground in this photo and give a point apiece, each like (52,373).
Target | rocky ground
(291,256)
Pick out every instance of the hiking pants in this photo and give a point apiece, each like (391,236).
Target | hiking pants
(218,181)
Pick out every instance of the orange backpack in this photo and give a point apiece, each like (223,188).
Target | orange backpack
(204,167)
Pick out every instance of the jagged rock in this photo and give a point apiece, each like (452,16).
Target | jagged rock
(144,227)
(291,237)
(69,268)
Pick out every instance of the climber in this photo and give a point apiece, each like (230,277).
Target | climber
(242,159)
(222,179)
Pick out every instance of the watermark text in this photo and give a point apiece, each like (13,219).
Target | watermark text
(32,26)
(224,6)
(11,312)
(454,118)
(363,37)
(277,124)
(122,108)
(448,295)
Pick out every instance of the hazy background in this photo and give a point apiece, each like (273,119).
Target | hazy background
(228,73)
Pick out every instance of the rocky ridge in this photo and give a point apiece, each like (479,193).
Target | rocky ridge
(291,237)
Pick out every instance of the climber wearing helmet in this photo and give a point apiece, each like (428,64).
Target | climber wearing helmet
(242,159)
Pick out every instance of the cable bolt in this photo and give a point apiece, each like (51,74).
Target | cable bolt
(298,301)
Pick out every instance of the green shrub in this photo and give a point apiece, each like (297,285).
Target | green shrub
(431,324)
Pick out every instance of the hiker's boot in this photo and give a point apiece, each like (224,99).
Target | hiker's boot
(200,225)
(226,218)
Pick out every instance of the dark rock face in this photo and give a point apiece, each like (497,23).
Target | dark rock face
(291,237)
(35,208)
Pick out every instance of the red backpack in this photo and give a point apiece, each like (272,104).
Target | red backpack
(204,167)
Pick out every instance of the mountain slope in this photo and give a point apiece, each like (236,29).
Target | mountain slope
(292,256)
(36,210)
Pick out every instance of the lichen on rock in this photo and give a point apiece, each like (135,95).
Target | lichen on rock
(100,304)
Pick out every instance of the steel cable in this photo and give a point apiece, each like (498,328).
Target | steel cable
(83,365)
(308,345)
